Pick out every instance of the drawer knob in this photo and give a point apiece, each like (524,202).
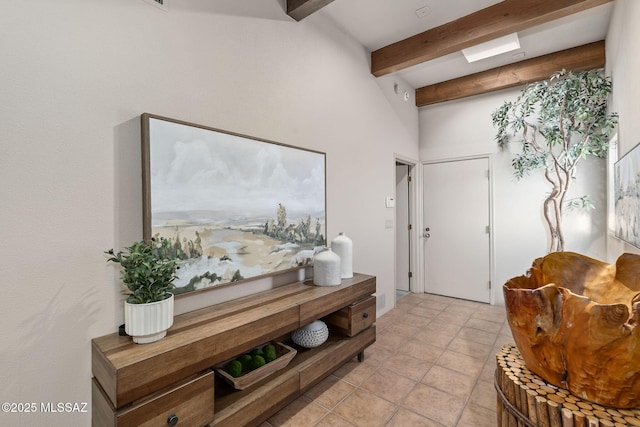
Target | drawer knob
(365,314)
(172,420)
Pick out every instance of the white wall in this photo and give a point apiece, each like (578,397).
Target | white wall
(623,65)
(76,75)
(463,128)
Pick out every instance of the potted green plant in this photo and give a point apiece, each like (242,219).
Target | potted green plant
(148,272)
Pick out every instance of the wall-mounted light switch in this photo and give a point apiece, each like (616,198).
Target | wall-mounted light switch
(389,202)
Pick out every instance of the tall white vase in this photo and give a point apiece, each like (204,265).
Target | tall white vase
(343,247)
(326,269)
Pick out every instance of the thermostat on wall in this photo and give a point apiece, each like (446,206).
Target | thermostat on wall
(389,202)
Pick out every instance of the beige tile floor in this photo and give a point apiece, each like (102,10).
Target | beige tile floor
(432,365)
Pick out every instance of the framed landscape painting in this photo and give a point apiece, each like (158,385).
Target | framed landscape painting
(233,207)
(627,197)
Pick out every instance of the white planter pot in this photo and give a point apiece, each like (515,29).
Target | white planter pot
(149,322)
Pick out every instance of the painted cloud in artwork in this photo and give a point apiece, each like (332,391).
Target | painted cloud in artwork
(201,170)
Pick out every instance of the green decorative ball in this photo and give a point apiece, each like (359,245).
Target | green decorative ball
(257,362)
(269,353)
(256,352)
(270,357)
(233,368)
(247,361)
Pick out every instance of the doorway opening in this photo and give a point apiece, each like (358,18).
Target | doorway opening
(404,230)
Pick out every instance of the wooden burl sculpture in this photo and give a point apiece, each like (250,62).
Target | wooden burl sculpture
(575,321)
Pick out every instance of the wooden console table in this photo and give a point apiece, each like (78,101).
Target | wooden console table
(525,399)
(170,382)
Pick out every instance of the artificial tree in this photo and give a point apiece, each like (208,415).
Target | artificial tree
(558,122)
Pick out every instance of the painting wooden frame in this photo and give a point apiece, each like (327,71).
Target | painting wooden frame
(627,197)
(234,207)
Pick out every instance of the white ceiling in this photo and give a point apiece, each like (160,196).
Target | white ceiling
(377,23)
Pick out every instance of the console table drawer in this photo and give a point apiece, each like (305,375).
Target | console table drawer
(354,318)
(191,403)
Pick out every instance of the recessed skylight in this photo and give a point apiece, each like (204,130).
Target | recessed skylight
(492,48)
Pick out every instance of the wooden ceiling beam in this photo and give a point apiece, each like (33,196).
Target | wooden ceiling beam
(300,9)
(506,17)
(582,58)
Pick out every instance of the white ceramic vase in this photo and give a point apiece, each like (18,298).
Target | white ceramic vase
(326,269)
(343,247)
(147,323)
(312,335)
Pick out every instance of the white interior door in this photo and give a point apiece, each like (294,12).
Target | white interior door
(456,221)
(403,254)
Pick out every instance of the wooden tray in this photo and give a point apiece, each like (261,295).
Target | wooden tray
(284,355)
